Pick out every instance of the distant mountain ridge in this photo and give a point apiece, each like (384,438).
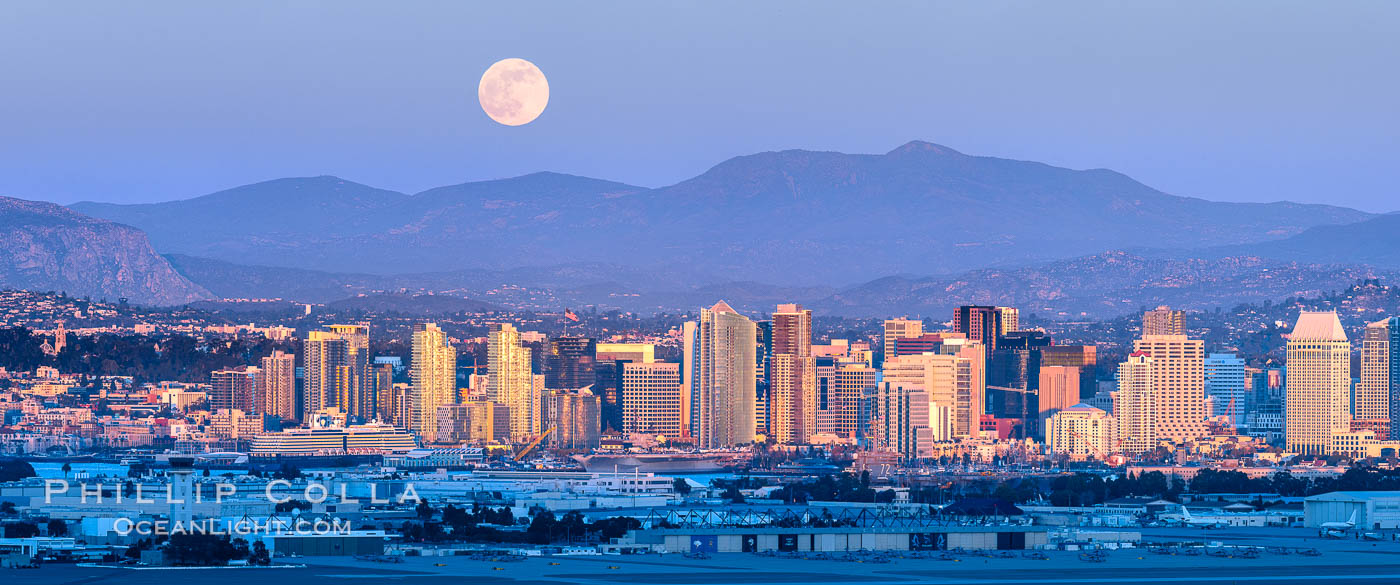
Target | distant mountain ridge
(47,247)
(796,216)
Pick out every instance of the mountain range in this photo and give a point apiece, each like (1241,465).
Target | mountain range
(794,216)
(826,227)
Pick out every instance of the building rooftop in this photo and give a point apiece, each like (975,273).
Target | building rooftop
(1318,326)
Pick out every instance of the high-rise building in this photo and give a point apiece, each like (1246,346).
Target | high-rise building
(1178,385)
(1080,432)
(763,376)
(792,384)
(1318,386)
(325,359)
(896,329)
(234,388)
(690,379)
(381,378)
(1377,408)
(453,423)
(1084,357)
(574,416)
(1163,321)
(488,422)
(1058,390)
(511,383)
(1009,320)
(850,384)
(979,323)
(611,357)
(569,364)
(928,342)
(724,361)
(899,420)
(637,353)
(433,373)
(1225,388)
(949,381)
(354,395)
(277,386)
(1013,380)
(1134,406)
(651,398)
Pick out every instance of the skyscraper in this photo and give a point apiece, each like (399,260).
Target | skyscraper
(608,371)
(896,329)
(979,323)
(1084,357)
(1318,386)
(1225,388)
(574,416)
(355,394)
(899,420)
(1178,385)
(510,381)
(792,385)
(324,357)
(569,364)
(724,362)
(1163,321)
(1378,390)
(1009,320)
(1134,406)
(851,384)
(1058,390)
(277,386)
(234,388)
(433,373)
(1013,380)
(651,398)
(382,385)
(949,381)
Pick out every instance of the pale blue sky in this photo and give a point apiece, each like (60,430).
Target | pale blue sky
(1242,101)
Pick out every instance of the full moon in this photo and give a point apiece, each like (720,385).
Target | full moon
(513,92)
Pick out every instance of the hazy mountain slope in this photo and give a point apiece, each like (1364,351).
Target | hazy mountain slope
(1375,241)
(1101,285)
(49,247)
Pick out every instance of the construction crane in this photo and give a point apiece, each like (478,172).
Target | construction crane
(533,444)
(1225,423)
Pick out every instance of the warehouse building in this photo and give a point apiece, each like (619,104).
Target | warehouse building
(842,539)
(1374,510)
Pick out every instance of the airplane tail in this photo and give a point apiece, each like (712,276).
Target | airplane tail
(1352,521)
(1185,514)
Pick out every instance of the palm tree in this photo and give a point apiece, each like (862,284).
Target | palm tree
(66,469)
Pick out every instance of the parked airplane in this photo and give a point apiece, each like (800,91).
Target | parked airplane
(1187,520)
(1343,526)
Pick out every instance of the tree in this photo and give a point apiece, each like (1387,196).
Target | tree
(681,486)
(66,468)
(425,510)
(58,527)
(204,550)
(15,469)
(287,472)
(260,556)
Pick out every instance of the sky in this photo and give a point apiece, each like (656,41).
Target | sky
(1233,101)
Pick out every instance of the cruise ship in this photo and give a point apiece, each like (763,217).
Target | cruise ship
(372,439)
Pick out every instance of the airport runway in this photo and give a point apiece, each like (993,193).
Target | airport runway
(1342,562)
